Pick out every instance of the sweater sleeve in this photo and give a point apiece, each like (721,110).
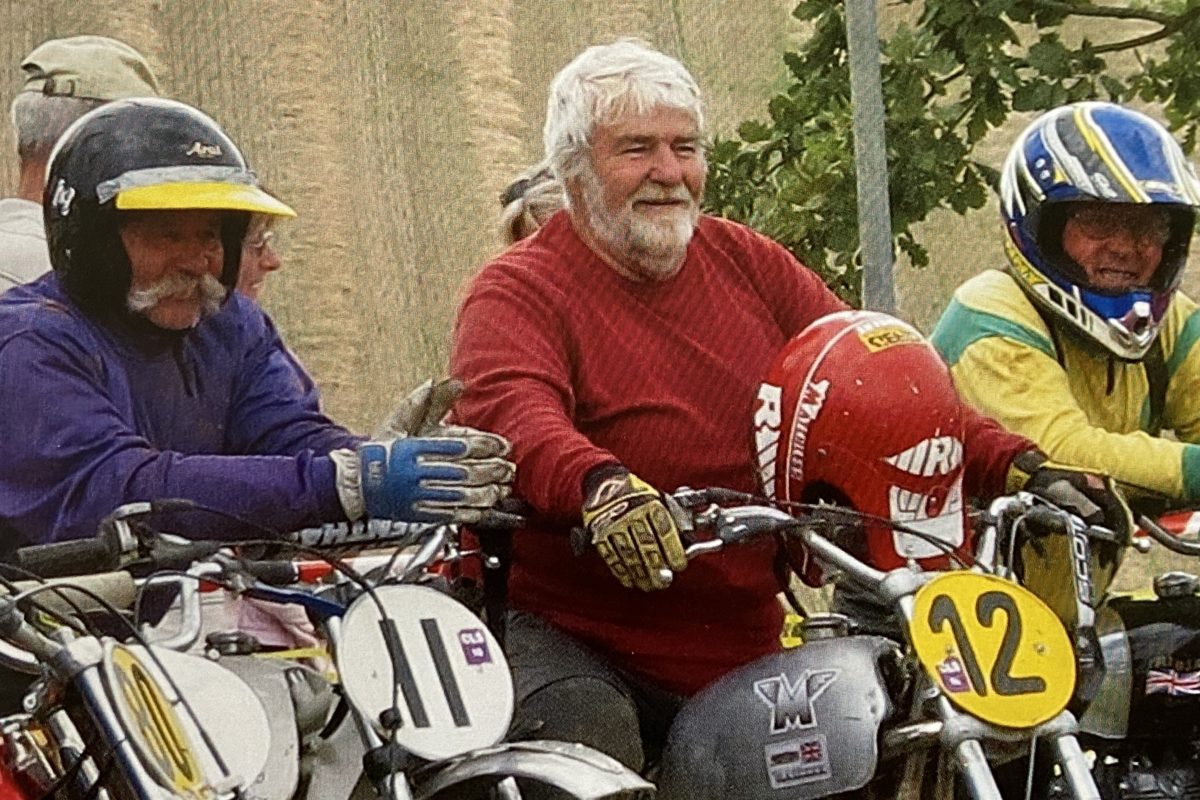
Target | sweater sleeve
(988,452)
(1183,386)
(796,294)
(511,350)
(70,461)
(1029,389)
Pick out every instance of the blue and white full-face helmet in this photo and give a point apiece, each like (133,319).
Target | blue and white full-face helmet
(1102,153)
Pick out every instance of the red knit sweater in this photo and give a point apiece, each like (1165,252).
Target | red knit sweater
(579,366)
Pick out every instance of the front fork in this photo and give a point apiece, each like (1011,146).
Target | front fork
(964,735)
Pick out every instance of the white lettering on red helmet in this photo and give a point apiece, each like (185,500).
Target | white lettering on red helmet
(767,419)
(939,455)
(812,400)
(937,514)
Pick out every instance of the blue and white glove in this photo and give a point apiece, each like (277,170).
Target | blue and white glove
(451,477)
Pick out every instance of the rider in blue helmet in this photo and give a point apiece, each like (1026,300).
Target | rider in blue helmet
(1084,344)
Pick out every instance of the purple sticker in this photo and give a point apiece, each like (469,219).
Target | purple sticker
(954,677)
(475,646)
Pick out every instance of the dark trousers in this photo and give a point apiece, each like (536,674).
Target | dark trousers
(566,692)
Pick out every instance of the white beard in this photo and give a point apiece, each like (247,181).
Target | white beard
(656,245)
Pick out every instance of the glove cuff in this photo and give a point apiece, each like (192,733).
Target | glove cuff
(599,474)
(348,483)
(1021,469)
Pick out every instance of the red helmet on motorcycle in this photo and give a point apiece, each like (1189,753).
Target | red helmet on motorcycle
(860,410)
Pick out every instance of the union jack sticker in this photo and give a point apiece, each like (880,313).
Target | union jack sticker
(1170,682)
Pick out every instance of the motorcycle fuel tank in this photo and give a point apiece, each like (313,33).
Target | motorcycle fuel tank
(1151,684)
(794,725)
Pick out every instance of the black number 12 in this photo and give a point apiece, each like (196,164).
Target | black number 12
(944,611)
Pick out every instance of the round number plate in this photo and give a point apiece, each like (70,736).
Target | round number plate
(453,691)
(154,728)
(995,649)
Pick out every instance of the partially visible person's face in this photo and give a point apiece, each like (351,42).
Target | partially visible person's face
(1118,245)
(259,258)
(641,197)
(176,259)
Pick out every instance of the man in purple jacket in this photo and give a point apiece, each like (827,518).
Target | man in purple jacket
(133,372)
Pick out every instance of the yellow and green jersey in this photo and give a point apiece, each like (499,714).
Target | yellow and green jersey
(1082,405)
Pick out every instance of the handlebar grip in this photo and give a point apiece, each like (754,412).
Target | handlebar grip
(118,589)
(63,559)
(273,573)
(1049,520)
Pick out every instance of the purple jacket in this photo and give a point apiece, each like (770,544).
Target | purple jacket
(96,415)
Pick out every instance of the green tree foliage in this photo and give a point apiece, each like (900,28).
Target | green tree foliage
(948,79)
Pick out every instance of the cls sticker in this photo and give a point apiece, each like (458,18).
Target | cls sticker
(953,675)
(792,703)
(474,646)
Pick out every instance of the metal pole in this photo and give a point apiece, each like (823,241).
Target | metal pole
(870,156)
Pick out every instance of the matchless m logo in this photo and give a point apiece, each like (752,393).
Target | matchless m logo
(792,703)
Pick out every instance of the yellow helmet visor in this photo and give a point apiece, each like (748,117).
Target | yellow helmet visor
(220,196)
(218,188)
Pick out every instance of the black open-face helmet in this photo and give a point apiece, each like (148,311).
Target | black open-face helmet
(141,154)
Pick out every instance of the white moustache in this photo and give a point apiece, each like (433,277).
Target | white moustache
(659,195)
(209,290)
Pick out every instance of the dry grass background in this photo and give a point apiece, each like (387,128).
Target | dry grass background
(392,127)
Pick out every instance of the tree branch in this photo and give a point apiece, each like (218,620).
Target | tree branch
(1137,41)
(1168,29)
(1111,12)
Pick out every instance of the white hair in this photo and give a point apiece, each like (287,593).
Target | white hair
(39,120)
(604,83)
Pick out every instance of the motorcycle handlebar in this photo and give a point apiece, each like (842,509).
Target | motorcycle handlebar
(115,545)
(698,508)
(117,588)
(62,559)
(1166,539)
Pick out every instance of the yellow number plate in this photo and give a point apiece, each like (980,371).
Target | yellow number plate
(995,649)
(153,727)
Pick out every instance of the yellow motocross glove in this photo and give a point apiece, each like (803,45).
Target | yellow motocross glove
(634,532)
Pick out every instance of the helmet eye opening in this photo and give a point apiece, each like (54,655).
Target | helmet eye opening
(1171,231)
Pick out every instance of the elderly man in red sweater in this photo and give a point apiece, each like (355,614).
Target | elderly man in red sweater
(620,349)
